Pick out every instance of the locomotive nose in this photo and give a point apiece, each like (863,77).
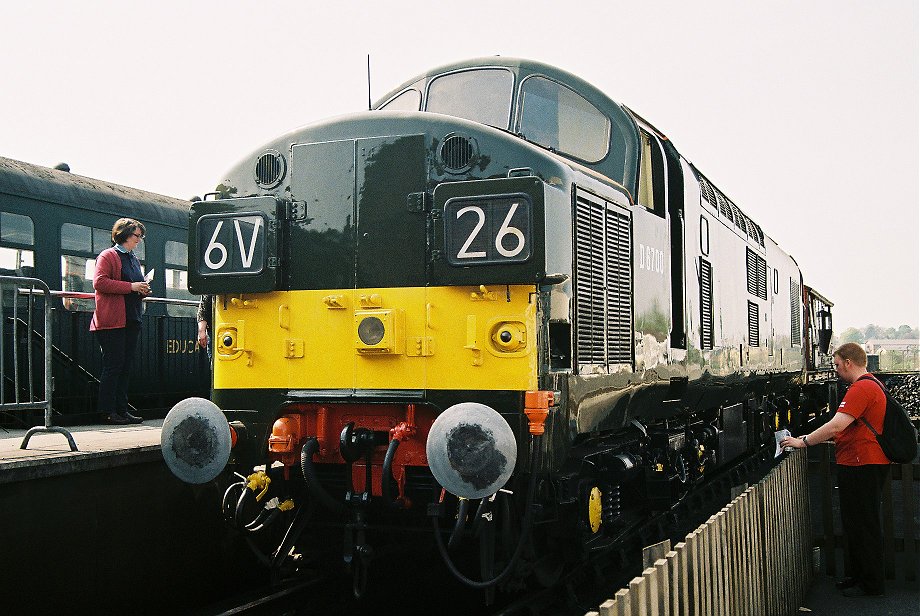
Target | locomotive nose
(471,450)
(195,440)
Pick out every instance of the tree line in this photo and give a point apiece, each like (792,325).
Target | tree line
(863,334)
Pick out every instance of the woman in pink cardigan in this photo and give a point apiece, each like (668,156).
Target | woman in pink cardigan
(120,289)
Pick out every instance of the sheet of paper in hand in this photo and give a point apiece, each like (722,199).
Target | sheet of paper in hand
(780,436)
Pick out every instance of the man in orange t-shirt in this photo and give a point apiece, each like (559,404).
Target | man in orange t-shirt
(862,470)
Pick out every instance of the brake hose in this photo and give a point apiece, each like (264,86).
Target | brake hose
(462,510)
(526,526)
(312,481)
(385,489)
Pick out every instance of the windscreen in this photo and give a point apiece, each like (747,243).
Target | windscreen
(482,95)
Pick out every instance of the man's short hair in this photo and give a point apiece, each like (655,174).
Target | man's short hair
(853,352)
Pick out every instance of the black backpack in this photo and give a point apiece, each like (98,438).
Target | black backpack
(899,436)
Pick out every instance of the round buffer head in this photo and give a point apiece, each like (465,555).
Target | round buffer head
(195,440)
(471,450)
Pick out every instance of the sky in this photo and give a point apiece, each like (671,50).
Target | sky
(803,112)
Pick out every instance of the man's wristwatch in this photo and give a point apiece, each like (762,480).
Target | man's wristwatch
(805,439)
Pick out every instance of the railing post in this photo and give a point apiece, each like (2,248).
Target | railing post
(31,287)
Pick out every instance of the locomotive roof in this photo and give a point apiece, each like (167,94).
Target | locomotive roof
(61,187)
(618,160)
(525,66)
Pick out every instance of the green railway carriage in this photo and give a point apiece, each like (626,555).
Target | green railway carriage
(496,247)
(53,224)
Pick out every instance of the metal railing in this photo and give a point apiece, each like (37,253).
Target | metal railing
(12,290)
(30,288)
(752,557)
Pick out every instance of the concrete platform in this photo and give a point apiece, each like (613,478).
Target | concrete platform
(100,446)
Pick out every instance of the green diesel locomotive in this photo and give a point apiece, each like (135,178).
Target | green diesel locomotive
(497,288)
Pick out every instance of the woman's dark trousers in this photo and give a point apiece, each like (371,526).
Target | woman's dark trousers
(860,512)
(118,346)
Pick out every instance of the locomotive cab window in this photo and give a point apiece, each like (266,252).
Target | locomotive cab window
(17,237)
(558,118)
(651,174)
(482,95)
(177,279)
(408,100)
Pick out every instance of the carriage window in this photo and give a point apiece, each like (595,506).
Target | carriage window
(482,95)
(556,117)
(76,237)
(177,279)
(77,275)
(408,100)
(17,235)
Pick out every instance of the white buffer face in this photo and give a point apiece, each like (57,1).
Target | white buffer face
(195,440)
(471,450)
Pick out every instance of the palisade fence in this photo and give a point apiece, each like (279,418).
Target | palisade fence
(752,557)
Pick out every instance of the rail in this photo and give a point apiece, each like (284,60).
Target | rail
(33,288)
(83,295)
(752,557)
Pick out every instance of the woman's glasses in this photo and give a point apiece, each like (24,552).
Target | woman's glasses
(139,236)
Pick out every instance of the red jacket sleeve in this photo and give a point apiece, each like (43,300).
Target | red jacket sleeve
(107,278)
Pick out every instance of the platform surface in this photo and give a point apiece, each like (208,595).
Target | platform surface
(823,599)
(99,446)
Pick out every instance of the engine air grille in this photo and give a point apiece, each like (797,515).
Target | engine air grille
(707,339)
(706,192)
(795,305)
(603,282)
(739,218)
(457,152)
(270,169)
(729,210)
(756,274)
(753,324)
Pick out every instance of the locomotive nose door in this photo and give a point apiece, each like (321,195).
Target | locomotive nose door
(390,262)
(358,233)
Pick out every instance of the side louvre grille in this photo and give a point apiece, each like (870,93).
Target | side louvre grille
(603,282)
(619,287)
(756,274)
(589,285)
(706,338)
(795,305)
(753,324)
